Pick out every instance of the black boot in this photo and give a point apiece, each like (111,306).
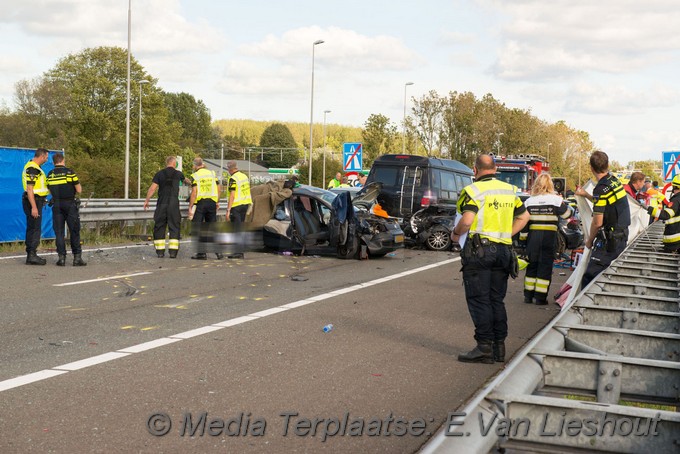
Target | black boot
(528,300)
(173,253)
(160,253)
(33,259)
(62,260)
(482,353)
(200,256)
(541,302)
(78,260)
(499,351)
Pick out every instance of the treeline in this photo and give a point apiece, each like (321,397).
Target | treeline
(80,106)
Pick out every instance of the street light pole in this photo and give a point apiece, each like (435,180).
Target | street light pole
(139,146)
(549,152)
(323,177)
(127,108)
(498,143)
(403,126)
(311,114)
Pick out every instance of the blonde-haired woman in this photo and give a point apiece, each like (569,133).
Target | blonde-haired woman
(545,208)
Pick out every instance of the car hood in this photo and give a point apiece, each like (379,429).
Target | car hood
(368,195)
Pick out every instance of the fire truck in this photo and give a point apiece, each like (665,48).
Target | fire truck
(520,170)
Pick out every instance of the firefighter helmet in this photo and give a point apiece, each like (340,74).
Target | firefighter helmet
(676,182)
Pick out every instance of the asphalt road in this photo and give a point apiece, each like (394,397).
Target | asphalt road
(78,374)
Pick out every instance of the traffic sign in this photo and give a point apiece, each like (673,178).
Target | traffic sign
(352,159)
(671,164)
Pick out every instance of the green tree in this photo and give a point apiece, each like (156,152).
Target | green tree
(80,105)
(281,144)
(428,113)
(194,117)
(378,137)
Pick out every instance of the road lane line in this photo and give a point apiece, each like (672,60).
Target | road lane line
(111,248)
(29,378)
(87,362)
(235,321)
(149,345)
(266,312)
(109,278)
(196,332)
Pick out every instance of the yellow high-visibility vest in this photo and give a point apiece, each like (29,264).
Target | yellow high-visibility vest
(40,185)
(206,184)
(496,202)
(242,196)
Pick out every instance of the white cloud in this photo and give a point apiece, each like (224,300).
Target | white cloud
(618,99)
(158,26)
(544,40)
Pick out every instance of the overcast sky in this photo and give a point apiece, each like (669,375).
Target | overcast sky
(609,67)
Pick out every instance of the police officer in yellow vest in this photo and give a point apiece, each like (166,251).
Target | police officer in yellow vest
(239,201)
(33,200)
(491,213)
(205,192)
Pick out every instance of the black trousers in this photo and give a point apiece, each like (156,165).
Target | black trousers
(541,254)
(65,213)
(203,224)
(33,225)
(601,259)
(486,283)
(167,215)
(237,215)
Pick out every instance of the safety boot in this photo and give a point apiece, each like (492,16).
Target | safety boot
(160,253)
(482,353)
(499,351)
(62,260)
(33,259)
(78,260)
(173,253)
(219,255)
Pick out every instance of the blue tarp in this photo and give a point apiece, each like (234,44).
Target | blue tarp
(13,219)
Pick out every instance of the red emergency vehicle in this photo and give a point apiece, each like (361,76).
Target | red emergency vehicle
(520,170)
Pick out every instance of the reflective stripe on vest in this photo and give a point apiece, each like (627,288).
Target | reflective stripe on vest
(496,202)
(242,196)
(206,184)
(40,185)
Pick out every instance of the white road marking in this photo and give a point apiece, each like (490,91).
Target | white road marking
(29,378)
(99,359)
(111,248)
(87,362)
(109,278)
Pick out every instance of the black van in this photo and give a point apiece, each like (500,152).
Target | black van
(422,192)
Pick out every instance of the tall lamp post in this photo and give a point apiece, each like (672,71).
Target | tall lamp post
(323,177)
(127,109)
(549,152)
(403,130)
(311,114)
(139,146)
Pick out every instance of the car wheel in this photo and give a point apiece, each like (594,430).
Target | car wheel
(350,249)
(439,239)
(561,245)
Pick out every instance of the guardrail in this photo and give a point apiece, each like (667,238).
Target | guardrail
(103,210)
(604,375)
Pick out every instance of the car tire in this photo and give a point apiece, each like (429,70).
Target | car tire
(439,239)
(561,245)
(350,249)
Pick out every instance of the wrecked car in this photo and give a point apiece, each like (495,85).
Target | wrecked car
(306,219)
